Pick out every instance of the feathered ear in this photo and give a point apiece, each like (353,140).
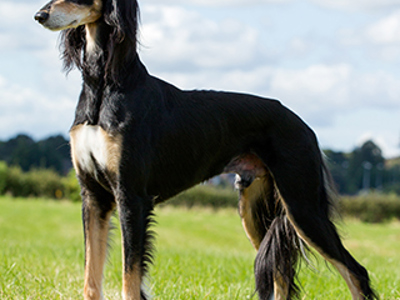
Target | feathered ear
(123,17)
(72,42)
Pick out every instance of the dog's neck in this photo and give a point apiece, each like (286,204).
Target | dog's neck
(98,84)
(98,61)
(94,53)
(93,73)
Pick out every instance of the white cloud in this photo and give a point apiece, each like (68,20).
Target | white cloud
(319,93)
(314,80)
(196,50)
(385,31)
(300,47)
(380,39)
(174,36)
(9,8)
(250,81)
(357,5)
(23,109)
(21,32)
(216,3)
(377,89)
(353,5)
(39,100)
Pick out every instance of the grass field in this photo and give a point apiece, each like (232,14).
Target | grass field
(201,254)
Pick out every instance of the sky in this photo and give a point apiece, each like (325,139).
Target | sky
(336,63)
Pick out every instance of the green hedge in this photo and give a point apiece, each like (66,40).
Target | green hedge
(37,183)
(367,208)
(3,176)
(72,190)
(372,207)
(205,195)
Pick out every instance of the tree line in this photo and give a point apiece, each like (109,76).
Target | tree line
(50,153)
(363,169)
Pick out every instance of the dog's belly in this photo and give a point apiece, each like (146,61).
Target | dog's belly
(94,150)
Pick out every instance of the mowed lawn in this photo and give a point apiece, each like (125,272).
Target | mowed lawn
(201,254)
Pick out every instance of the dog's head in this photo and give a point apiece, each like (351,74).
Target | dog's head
(119,17)
(63,14)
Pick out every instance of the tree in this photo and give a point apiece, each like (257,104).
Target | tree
(51,153)
(338,164)
(366,166)
(55,154)
(22,151)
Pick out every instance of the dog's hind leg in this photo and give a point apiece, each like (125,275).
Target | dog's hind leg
(306,200)
(97,208)
(320,233)
(135,216)
(254,208)
(271,235)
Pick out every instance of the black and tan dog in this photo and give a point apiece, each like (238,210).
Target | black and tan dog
(137,141)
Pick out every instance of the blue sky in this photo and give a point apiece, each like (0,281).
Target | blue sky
(334,62)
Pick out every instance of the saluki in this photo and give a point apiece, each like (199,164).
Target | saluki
(137,141)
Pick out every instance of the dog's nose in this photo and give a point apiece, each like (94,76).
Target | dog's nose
(41,16)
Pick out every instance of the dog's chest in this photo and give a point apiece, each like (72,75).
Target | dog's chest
(93,149)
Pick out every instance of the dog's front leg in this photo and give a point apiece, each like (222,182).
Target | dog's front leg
(97,208)
(135,216)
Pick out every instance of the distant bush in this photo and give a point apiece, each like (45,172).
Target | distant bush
(45,183)
(368,208)
(393,188)
(72,190)
(3,176)
(371,207)
(205,195)
(15,182)
(374,207)
(35,183)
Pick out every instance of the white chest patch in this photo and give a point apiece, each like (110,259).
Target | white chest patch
(93,147)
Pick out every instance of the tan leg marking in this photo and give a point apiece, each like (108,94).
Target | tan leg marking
(248,197)
(132,279)
(131,283)
(96,250)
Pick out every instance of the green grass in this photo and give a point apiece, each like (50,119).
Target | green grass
(201,254)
